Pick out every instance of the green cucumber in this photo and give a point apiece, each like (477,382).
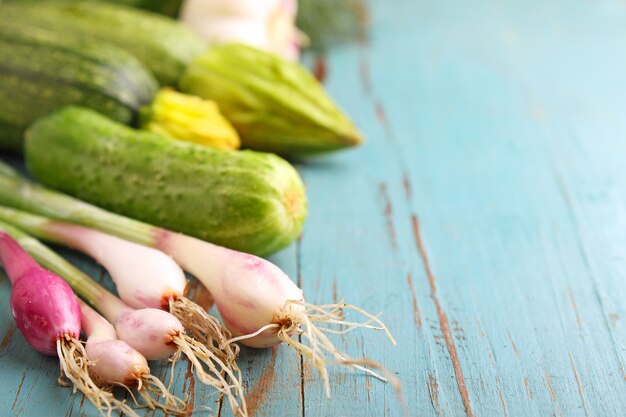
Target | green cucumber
(41,72)
(163,45)
(248,201)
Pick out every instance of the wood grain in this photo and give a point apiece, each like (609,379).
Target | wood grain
(486,216)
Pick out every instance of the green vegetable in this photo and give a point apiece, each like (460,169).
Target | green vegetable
(248,201)
(328,23)
(275,105)
(166,7)
(41,72)
(163,45)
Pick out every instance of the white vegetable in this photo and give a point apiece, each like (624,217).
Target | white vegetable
(114,361)
(144,277)
(265,24)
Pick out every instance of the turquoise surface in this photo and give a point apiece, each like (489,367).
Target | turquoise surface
(486,216)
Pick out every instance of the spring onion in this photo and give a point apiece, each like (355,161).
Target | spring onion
(116,363)
(144,277)
(48,315)
(258,302)
(156,334)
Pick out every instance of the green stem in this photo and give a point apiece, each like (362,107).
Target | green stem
(86,288)
(45,228)
(32,224)
(6,170)
(18,192)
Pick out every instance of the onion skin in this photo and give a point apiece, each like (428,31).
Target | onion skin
(252,293)
(249,291)
(150,331)
(116,362)
(43,305)
(143,276)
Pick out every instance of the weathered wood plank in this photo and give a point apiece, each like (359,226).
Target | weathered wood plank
(490,206)
(485,216)
(483,185)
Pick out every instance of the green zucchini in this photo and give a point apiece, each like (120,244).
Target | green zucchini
(248,201)
(163,45)
(41,72)
(166,7)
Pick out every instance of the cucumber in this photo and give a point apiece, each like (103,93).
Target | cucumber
(41,72)
(163,45)
(248,201)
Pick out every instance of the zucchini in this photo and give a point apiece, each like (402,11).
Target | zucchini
(166,7)
(248,201)
(163,45)
(41,72)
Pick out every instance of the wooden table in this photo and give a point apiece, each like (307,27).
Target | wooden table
(486,216)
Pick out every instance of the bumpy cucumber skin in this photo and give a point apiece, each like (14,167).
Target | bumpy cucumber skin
(41,72)
(163,45)
(248,201)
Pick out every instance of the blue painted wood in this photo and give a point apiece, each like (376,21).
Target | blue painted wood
(485,216)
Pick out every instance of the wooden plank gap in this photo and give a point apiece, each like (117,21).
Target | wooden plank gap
(71,408)
(368,387)
(433,391)
(7,336)
(19,389)
(443,318)
(574,306)
(189,387)
(492,359)
(302,380)
(521,364)
(417,315)
(549,382)
(565,194)
(580,386)
(381,116)
(161,373)
(299,279)
(257,395)
(81,405)
(506,414)
(408,187)
(388,212)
